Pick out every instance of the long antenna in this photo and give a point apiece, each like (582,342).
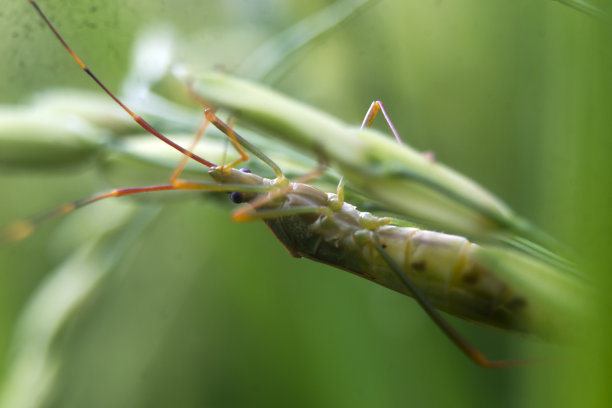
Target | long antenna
(143,123)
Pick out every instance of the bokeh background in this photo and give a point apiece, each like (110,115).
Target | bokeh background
(192,310)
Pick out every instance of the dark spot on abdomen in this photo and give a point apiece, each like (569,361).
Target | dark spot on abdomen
(419,266)
(516,303)
(471,278)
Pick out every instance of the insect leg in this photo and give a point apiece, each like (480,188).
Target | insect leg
(198,136)
(204,123)
(470,351)
(248,212)
(371,114)
(237,140)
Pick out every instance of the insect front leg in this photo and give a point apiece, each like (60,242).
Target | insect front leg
(237,141)
(249,211)
(205,122)
(185,159)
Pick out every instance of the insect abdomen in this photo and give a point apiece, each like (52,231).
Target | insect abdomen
(446,269)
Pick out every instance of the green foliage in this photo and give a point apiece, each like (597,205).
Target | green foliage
(198,311)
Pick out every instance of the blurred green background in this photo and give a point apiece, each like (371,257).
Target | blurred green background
(192,310)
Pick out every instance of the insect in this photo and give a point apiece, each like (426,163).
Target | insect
(323,227)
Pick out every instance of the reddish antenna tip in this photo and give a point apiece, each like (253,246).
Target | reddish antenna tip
(144,124)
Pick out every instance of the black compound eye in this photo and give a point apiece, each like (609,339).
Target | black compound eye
(236,197)
(245,170)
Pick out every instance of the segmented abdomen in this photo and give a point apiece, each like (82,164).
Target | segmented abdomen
(449,271)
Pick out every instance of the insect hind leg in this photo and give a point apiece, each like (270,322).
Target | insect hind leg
(466,347)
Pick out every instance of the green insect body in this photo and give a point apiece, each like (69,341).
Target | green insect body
(321,226)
